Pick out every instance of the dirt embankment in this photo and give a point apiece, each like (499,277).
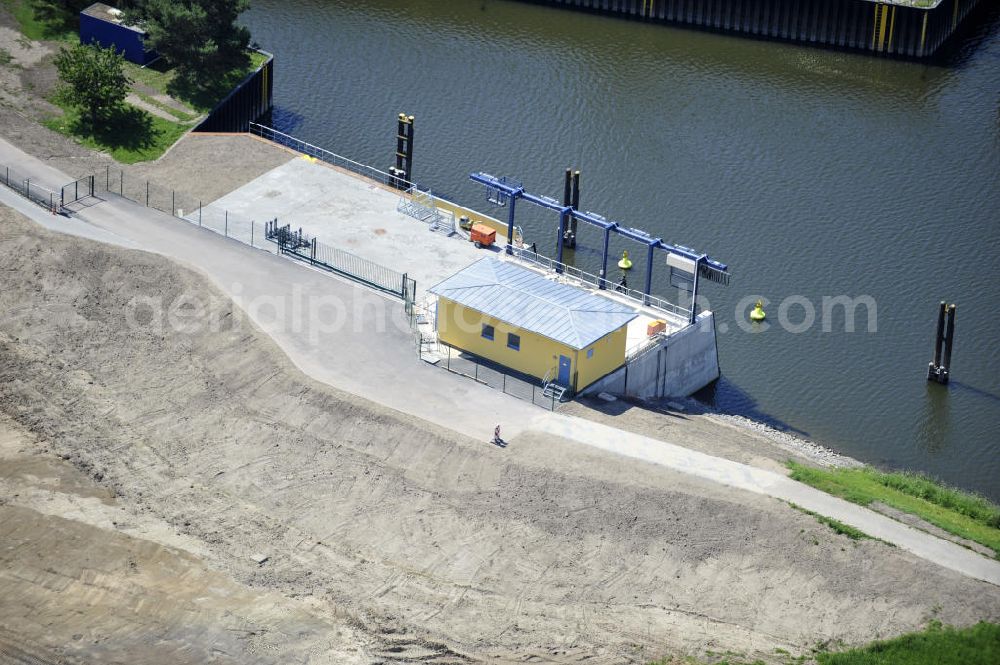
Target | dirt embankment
(86,580)
(412,542)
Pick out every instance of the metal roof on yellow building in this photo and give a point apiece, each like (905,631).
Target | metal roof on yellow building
(527,300)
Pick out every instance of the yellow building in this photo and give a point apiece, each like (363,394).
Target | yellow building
(518,318)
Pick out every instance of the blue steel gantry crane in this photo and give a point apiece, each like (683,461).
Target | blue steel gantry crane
(506,192)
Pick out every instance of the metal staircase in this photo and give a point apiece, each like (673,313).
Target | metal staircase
(444,224)
(420,204)
(552,389)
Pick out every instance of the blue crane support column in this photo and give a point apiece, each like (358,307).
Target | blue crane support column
(604,258)
(649,271)
(510,225)
(563,218)
(694,288)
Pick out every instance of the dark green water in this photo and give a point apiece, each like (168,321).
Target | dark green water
(811,172)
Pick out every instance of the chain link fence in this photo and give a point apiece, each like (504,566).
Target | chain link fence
(78,190)
(21,183)
(264,235)
(521,386)
(183,206)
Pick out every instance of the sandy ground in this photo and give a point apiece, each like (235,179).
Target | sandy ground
(85,580)
(411,541)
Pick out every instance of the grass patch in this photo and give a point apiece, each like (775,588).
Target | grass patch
(839,527)
(713,660)
(44,21)
(935,645)
(960,513)
(180,115)
(133,136)
(941,645)
(201,95)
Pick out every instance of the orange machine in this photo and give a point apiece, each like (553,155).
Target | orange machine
(482,235)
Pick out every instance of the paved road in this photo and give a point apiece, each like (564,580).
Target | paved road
(358,341)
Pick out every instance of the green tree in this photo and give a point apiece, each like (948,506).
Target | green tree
(196,36)
(58,17)
(94,81)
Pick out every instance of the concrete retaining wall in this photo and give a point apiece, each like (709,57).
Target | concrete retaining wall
(680,365)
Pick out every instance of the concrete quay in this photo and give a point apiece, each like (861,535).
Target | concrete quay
(352,213)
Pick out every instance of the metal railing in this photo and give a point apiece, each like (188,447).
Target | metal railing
(299,145)
(295,244)
(646,346)
(22,184)
(642,299)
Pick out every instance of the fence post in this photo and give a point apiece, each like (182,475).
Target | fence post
(173,203)
(27,188)
(121,183)
(91,185)
(199,213)
(107,178)
(147,193)
(76,190)
(6,180)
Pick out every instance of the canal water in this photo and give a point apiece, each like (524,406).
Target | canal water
(813,173)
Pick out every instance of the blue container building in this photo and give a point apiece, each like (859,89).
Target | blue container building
(101,24)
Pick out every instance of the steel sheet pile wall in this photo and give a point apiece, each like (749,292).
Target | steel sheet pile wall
(247,103)
(860,24)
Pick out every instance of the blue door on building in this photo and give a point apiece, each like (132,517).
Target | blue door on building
(564,364)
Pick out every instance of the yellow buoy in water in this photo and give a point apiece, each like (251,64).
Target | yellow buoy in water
(758,312)
(626,262)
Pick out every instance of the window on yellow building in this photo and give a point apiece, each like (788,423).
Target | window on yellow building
(513,341)
(590,354)
(487,331)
